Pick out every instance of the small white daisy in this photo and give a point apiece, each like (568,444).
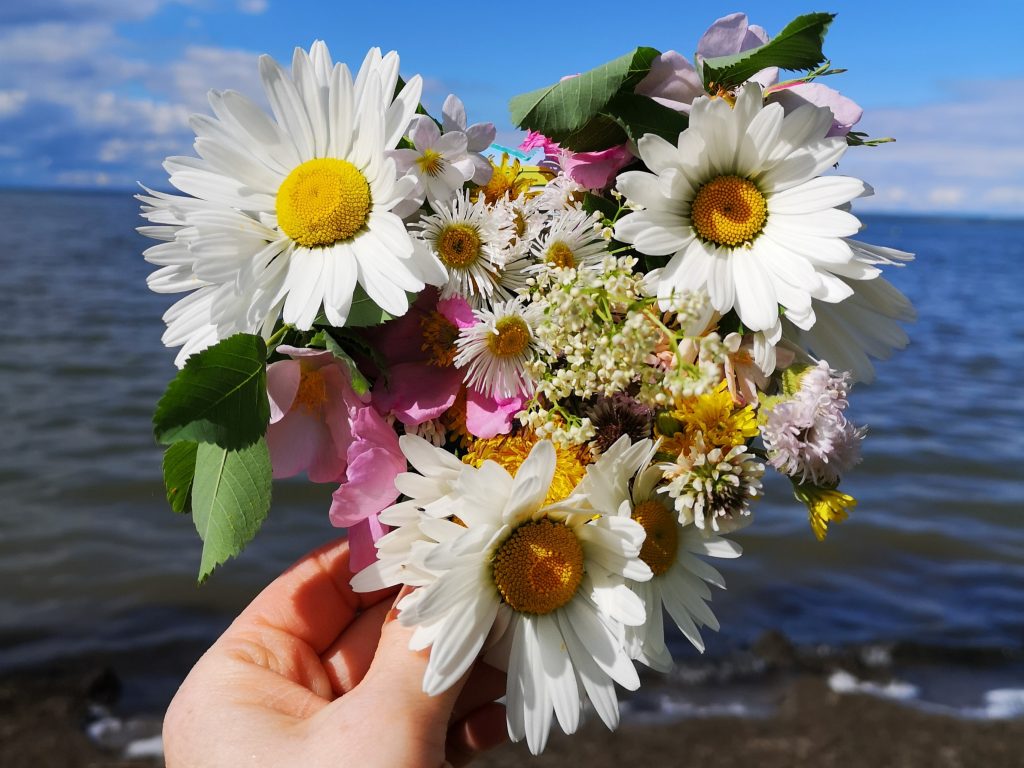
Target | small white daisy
(470,241)
(571,242)
(540,589)
(498,350)
(740,206)
(290,214)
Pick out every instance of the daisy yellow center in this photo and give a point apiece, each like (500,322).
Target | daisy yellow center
(729,211)
(539,567)
(559,254)
(662,540)
(510,337)
(458,246)
(312,393)
(439,335)
(431,162)
(323,201)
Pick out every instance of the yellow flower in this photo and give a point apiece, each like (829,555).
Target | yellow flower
(517,179)
(510,451)
(714,415)
(824,506)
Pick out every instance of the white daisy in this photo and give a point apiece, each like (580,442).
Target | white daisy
(497,351)
(542,586)
(741,208)
(470,240)
(627,482)
(291,213)
(571,242)
(865,325)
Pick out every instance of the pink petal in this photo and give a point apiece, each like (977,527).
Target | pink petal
(457,311)
(846,113)
(369,486)
(725,37)
(362,540)
(595,170)
(488,416)
(672,82)
(294,442)
(416,393)
(282,385)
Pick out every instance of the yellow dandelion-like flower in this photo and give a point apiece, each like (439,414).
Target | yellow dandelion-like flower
(515,178)
(714,415)
(510,451)
(824,506)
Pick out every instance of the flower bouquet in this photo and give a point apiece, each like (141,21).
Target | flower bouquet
(544,382)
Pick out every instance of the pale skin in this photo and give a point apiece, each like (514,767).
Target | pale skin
(312,674)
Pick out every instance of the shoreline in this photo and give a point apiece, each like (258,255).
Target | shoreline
(773,705)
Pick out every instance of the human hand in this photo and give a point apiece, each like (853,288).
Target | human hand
(312,674)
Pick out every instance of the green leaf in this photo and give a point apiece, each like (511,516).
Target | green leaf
(230,500)
(364,311)
(796,47)
(570,112)
(359,382)
(179,468)
(592,203)
(220,396)
(639,115)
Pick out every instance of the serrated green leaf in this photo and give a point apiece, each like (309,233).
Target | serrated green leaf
(179,467)
(230,500)
(796,47)
(359,382)
(220,396)
(570,112)
(639,115)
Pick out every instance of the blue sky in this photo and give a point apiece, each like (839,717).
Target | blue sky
(95,93)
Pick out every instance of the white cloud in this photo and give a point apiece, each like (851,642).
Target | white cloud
(253,7)
(963,155)
(12,102)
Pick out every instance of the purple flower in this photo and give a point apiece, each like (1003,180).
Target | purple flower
(808,437)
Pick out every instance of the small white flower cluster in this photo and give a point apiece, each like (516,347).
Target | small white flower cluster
(808,437)
(596,339)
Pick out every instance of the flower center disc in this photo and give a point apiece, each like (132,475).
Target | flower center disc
(662,541)
(323,201)
(729,211)
(539,567)
(431,162)
(510,337)
(311,395)
(439,335)
(560,255)
(458,246)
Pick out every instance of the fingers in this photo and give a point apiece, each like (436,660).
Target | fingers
(479,731)
(484,685)
(311,601)
(396,674)
(347,660)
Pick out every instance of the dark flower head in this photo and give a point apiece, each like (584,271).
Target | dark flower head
(616,416)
